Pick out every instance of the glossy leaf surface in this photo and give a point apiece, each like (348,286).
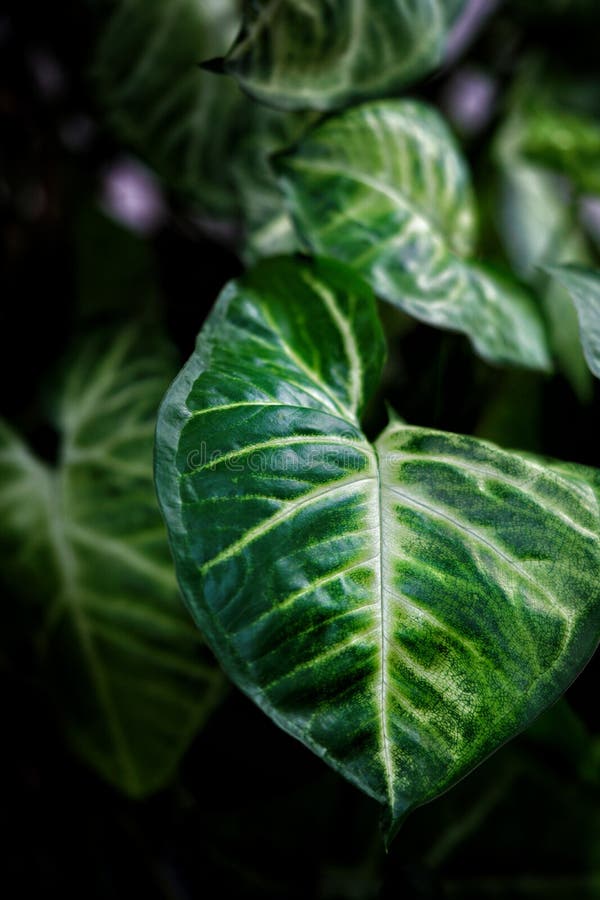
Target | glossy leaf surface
(314,55)
(384,188)
(402,607)
(85,546)
(583,285)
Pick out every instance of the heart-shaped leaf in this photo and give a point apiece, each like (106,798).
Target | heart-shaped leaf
(583,285)
(84,544)
(402,607)
(315,55)
(384,188)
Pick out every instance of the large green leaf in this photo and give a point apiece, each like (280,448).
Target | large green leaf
(402,607)
(84,544)
(314,55)
(384,188)
(583,285)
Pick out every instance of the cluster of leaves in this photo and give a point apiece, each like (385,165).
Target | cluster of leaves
(404,605)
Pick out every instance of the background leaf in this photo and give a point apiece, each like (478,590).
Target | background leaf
(84,543)
(403,608)
(205,138)
(539,225)
(321,56)
(583,286)
(384,188)
(159,101)
(567,142)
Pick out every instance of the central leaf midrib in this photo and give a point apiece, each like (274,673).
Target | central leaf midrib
(384,643)
(57,517)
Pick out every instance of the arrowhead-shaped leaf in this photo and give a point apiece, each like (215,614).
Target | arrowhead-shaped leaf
(315,55)
(84,544)
(583,285)
(402,607)
(384,188)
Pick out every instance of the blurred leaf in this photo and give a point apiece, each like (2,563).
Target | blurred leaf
(502,860)
(204,137)
(538,224)
(566,142)
(182,120)
(312,55)
(269,227)
(384,188)
(84,544)
(583,285)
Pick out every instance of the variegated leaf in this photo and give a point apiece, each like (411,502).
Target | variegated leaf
(84,544)
(305,54)
(205,138)
(162,104)
(402,607)
(384,188)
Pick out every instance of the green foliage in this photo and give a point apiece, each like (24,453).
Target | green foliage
(403,596)
(384,188)
(566,142)
(583,286)
(160,102)
(312,55)
(402,607)
(538,224)
(84,544)
(205,138)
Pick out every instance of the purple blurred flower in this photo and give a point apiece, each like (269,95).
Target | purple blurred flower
(469,100)
(132,195)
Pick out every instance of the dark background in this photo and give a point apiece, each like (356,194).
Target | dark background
(252,813)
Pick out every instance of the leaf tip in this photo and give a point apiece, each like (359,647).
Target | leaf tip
(218,65)
(393,417)
(391,823)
